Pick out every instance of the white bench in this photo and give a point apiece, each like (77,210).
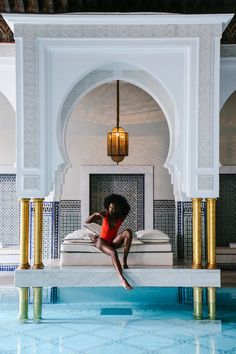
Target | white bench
(141,254)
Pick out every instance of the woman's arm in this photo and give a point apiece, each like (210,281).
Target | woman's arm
(94,217)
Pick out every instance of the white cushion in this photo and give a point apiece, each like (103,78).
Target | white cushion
(95,228)
(79,235)
(152,236)
(77,241)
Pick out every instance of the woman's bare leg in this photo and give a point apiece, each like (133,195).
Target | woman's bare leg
(109,250)
(124,238)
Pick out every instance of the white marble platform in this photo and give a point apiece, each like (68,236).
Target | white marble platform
(106,276)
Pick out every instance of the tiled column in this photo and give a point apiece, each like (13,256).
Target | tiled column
(38,233)
(24,234)
(211,233)
(197,233)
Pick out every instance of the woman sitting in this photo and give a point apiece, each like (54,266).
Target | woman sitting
(117,208)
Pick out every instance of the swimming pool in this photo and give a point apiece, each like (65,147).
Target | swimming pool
(114,321)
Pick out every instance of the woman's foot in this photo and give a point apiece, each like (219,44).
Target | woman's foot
(125,266)
(125,284)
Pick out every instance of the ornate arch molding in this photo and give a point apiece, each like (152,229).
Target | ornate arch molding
(128,73)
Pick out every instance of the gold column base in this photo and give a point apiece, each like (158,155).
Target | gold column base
(38,266)
(196,266)
(197,296)
(23,305)
(24,266)
(211,266)
(212,303)
(38,304)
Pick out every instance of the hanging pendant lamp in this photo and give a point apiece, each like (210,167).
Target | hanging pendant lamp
(117,139)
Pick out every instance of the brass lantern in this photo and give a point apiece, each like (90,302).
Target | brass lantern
(117,139)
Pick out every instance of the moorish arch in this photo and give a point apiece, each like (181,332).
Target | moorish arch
(130,74)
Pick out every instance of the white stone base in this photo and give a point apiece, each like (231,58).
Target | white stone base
(106,276)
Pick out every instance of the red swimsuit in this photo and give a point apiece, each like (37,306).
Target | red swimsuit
(107,233)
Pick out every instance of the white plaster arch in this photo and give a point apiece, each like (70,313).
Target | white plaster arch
(8,73)
(128,73)
(227,79)
(7,135)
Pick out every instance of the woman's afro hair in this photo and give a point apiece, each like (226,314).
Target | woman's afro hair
(121,204)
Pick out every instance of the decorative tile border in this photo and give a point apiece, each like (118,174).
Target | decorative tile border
(8,268)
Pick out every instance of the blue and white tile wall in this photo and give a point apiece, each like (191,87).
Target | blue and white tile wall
(69,218)
(47,229)
(184,231)
(9,211)
(164,220)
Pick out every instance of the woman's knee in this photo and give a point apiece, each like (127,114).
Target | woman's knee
(128,233)
(113,253)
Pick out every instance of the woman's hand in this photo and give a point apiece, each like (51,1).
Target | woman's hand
(95,217)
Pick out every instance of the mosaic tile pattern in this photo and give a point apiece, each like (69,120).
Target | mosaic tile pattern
(69,218)
(164,220)
(55,235)
(8,268)
(130,186)
(47,230)
(226,211)
(184,231)
(9,210)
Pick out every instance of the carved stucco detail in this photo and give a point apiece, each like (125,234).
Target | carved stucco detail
(116,31)
(31,129)
(31,182)
(205,92)
(205,182)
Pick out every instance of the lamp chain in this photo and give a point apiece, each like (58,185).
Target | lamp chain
(117,103)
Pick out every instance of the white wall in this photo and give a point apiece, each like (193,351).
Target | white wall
(141,117)
(7,133)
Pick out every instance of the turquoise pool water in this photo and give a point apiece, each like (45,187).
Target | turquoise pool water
(114,321)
